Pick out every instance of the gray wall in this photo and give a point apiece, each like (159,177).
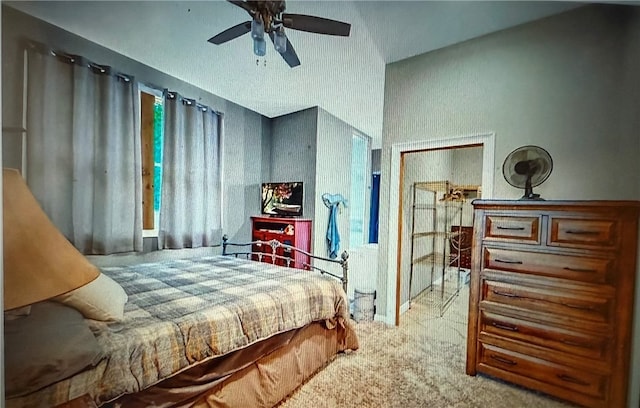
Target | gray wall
(244,130)
(569,83)
(255,148)
(333,162)
(293,154)
(315,147)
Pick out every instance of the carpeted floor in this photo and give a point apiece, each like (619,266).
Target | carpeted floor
(421,363)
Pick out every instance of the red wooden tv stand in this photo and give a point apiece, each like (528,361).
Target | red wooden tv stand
(290,231)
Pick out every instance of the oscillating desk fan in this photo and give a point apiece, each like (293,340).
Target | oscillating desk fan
(527,167)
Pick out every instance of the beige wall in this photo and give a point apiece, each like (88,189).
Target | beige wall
(569,83)
(558,83)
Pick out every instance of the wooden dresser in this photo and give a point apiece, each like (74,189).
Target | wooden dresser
(295,232)
(552,295)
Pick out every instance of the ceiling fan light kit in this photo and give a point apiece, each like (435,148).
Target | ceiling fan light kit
(257,33)
(257,29)
(259,47)
(269,17)
(280,40)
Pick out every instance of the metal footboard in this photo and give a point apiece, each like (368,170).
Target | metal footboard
(275,257)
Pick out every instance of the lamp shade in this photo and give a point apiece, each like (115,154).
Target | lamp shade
(39,262)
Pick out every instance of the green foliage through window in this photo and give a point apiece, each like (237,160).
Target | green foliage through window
(158,128)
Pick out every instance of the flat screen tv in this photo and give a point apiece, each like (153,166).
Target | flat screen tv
(282,199)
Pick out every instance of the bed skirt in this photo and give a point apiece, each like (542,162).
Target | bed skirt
(260,375)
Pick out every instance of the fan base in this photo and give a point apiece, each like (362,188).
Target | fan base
(532,196)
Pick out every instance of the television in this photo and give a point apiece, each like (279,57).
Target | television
(282,199)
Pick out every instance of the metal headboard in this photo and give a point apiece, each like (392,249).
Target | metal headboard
(274,256)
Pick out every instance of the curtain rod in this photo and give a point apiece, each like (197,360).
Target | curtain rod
(105,69)
(76,59)
(190,102)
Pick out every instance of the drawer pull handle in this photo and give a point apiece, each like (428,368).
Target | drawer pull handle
(504,326)
(507,294)
(568,268)
(576,343)
(503,360)
(581,307)
(583,232)
(508,261)
(568,378)
(500,227)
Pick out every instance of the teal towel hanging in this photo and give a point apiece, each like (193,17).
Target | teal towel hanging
(332,201)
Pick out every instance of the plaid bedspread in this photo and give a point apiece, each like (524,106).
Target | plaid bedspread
(181,312)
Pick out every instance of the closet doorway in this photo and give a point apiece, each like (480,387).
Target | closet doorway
(465,160)
(437,218)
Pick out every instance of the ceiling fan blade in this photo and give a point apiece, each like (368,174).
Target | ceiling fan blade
(289,55)
(231,33)
(315,24)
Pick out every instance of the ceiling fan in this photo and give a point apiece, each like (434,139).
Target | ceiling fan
(269,17)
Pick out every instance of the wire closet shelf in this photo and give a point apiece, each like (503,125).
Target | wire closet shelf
(436,237)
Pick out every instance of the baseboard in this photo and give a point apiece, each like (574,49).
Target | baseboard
(392,320)
(380,318)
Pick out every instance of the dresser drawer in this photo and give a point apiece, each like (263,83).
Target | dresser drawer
(582,233)
(590,345)
(581,381)
(568,304)
(551,296)
(511,228)
(579,268)
(261,235)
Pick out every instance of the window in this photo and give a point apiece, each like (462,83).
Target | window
(358,197)
(151,134)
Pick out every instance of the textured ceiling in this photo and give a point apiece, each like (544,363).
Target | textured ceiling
(344,76)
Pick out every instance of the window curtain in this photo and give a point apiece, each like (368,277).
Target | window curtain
(83,150)
(190,214)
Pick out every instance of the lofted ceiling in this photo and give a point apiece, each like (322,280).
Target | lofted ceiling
(343,75)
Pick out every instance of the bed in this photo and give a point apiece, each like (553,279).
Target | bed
(210,327)
(212,330)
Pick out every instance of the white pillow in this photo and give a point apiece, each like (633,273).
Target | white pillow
(101,299)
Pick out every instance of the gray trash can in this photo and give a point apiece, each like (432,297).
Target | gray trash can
(364,305)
